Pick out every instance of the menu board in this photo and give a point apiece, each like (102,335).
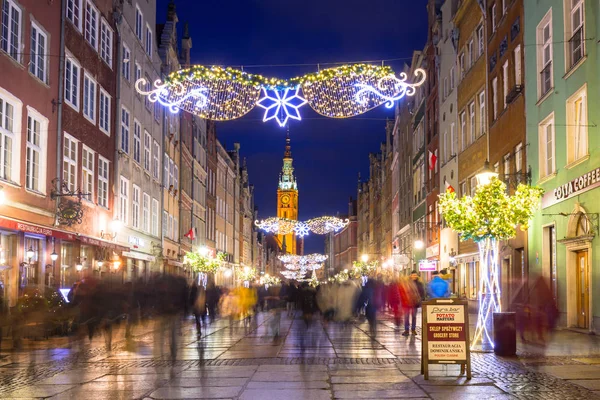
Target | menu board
(445,333)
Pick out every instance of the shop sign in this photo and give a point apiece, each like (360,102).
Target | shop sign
(446,333)
(136,241)
(572,188)
(139,256)
(432,251)
(427,266)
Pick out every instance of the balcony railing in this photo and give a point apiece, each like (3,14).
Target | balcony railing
(546,79)
(576,46)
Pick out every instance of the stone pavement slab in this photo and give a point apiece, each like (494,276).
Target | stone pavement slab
(39,391)
(571,371)
(196,392)
(289,385)
(285,394)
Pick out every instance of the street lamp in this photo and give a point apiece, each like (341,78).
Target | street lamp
(364,258)
(203,251)
(30,253)
(485,176)
(115,227)
(419,244)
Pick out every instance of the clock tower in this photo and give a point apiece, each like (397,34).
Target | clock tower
(287,198)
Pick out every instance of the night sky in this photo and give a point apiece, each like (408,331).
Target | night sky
(267,37)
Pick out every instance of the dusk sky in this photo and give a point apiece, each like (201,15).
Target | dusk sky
(272,37)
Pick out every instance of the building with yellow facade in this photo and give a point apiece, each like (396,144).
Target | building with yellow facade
(287,199)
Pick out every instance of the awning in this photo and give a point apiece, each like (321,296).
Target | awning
(27,227)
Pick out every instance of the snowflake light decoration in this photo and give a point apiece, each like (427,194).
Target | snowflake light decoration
(283,106)
(301,229)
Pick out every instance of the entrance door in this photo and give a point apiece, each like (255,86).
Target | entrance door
(582,290)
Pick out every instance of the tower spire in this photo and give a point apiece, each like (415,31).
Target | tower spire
(288,146)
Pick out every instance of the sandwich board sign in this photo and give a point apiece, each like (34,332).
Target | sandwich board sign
(445,334)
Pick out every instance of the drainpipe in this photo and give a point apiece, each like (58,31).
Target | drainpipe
(61,78)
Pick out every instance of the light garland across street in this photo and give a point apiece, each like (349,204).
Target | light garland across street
(319,226)
(223,94)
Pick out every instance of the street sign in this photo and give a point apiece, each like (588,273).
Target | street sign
(427,266)
(445,334)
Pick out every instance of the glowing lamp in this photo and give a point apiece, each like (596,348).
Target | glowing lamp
(116,225)
(30,253)
(228,272)
(116,265)
(54,256)
(203,251)
(486,175)
(364,258)
(100,262)
(419,244)
(79,267)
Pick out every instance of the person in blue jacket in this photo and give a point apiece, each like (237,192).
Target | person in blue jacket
(438,287)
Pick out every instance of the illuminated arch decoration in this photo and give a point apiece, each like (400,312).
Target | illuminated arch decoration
(314,258)
(223,94)
(319,226)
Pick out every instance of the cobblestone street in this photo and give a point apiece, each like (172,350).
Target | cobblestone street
(321,362)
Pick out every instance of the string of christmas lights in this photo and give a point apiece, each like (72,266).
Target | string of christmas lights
(307,259)
(223,94)
(319,226)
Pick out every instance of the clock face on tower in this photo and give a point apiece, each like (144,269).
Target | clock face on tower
(285,199)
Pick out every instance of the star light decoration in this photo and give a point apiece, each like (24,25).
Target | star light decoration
(222,94)
(320,225)
(283,106)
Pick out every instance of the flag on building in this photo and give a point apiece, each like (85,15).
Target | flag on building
(449,187)
(191,234)
(432,160)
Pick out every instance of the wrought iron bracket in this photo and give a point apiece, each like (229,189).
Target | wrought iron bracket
(63,190)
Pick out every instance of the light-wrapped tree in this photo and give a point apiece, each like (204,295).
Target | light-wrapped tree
(487,217)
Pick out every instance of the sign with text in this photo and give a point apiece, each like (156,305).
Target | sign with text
(446,333)
(570,189)
(427,266)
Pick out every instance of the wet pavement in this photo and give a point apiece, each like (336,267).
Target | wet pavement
(246,361)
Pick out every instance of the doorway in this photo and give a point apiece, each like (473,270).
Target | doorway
(583,293)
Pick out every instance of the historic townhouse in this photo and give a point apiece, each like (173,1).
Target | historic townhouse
(139,128)
(171,159)
(448,117)
(564,152)
(472,127)
(29,122)
(506,115)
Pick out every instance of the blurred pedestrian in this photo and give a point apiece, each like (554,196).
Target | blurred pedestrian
(368,297)
(438,287)
(198,305)
(413,295)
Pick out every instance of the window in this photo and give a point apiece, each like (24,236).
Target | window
(452,140)
(139,23)
(574,17)
(123,199)
(519,157)
(11,29)
(156,160)
(89,98)
(146,213)
(126,65)
(34,154)
(472,55)
(463,130)
(518,73)
(148,87)
(102,182)
(104,112)
(91,25)
(149,41)
(463,189)
(473,185)
(505,82)
(137,140)
(461,64)
(135,207)
(155,217)
(125,130)
(175,177)
(445,94)
(445,157)
(72,73)
(544,54)
(87,172)
(39,53)
(577,134)
(493,16)
(166,170)
(482,112)
(547,150)
(495,96)
(452,78)
(480,42)
(106,43)
(70,162)
(138,72)
(147,150)
(74,12)
(506,166)
(472,121)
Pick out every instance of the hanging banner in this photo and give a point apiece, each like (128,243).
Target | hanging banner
(446,334)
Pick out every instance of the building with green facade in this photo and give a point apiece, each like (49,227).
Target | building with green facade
(563,137)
